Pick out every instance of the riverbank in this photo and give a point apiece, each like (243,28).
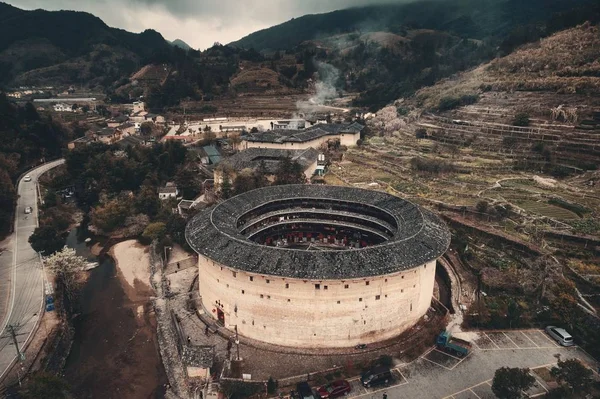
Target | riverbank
(115,351)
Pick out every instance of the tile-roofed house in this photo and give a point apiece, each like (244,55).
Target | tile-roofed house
(80,142)
(198,360)
(130,141)
(347,133)
(270,158)
(169,191)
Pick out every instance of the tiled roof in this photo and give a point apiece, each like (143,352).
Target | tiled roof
(299,136)
(419,236)
(252,157)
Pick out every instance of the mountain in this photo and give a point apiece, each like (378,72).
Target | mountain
(475,19)
(39,46)
(181,44)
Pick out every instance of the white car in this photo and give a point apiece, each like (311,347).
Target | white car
(28,210)
(27,178)
(560,335)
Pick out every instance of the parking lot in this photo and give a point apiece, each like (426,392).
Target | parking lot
(437,374)
(358,390)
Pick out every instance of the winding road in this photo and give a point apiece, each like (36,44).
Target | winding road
(21,273)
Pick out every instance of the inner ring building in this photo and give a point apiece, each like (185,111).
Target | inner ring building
(317,266)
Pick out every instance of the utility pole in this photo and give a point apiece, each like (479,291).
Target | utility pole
(14,338)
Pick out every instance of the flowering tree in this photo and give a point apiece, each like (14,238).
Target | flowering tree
(65,264)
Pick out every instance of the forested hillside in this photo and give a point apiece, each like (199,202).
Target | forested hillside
(70,47)
(387,52)
(25,139)
(475,19)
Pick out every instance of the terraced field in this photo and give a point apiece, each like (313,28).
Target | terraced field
(544,209)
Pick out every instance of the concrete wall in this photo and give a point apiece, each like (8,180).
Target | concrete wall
(347,139)
(295,312)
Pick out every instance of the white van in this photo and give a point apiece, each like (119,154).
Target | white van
(560,335)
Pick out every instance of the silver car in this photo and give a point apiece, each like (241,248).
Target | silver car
(560,335)
(27,178)
(28,210)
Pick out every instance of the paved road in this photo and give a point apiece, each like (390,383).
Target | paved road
(438,375)
(21,279)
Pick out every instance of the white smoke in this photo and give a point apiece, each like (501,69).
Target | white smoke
(328,77)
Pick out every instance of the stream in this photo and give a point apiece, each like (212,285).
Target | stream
(115,350)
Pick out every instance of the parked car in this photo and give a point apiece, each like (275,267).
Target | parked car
(28,210)
(304,391)
(334,390)
(27,178)
(560,335)
(376,376)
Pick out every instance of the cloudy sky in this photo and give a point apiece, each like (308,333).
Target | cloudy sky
(199,23)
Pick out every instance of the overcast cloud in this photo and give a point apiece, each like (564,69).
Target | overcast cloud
(199,23)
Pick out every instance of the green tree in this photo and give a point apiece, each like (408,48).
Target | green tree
(46,239)
(510,383)
(244,181)
(226,189)
(112,214)
(188,182)
(155,231)
(146,128)
(289,172)
(482,206)
(521,119)
(45,385)
(271,386)
(8,198)
(574,374)
(147,201)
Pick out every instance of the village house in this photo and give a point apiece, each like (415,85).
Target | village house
(80,142)
(117,121)
(348,134)
(168,191)
(106,135)
(252,158)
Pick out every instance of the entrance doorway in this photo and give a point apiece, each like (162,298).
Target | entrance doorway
(221,316)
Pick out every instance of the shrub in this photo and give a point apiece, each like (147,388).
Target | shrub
(521,119)
(482,206)
(449,103)
(433,166)
(421,133)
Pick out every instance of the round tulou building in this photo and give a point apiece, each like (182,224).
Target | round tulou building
(317,266)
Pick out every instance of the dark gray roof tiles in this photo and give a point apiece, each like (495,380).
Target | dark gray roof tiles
(421,237)
(299,136)
(198,356)
(252,157)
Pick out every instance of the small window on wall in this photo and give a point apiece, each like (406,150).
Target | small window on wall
(377,297)
(251,278)
(366,283)
(359,299)
(234,274)
(287,285)
(324,287)
(268,281)
(338,302)
(262,296)
(243,292)
(317,286)
(346,286)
